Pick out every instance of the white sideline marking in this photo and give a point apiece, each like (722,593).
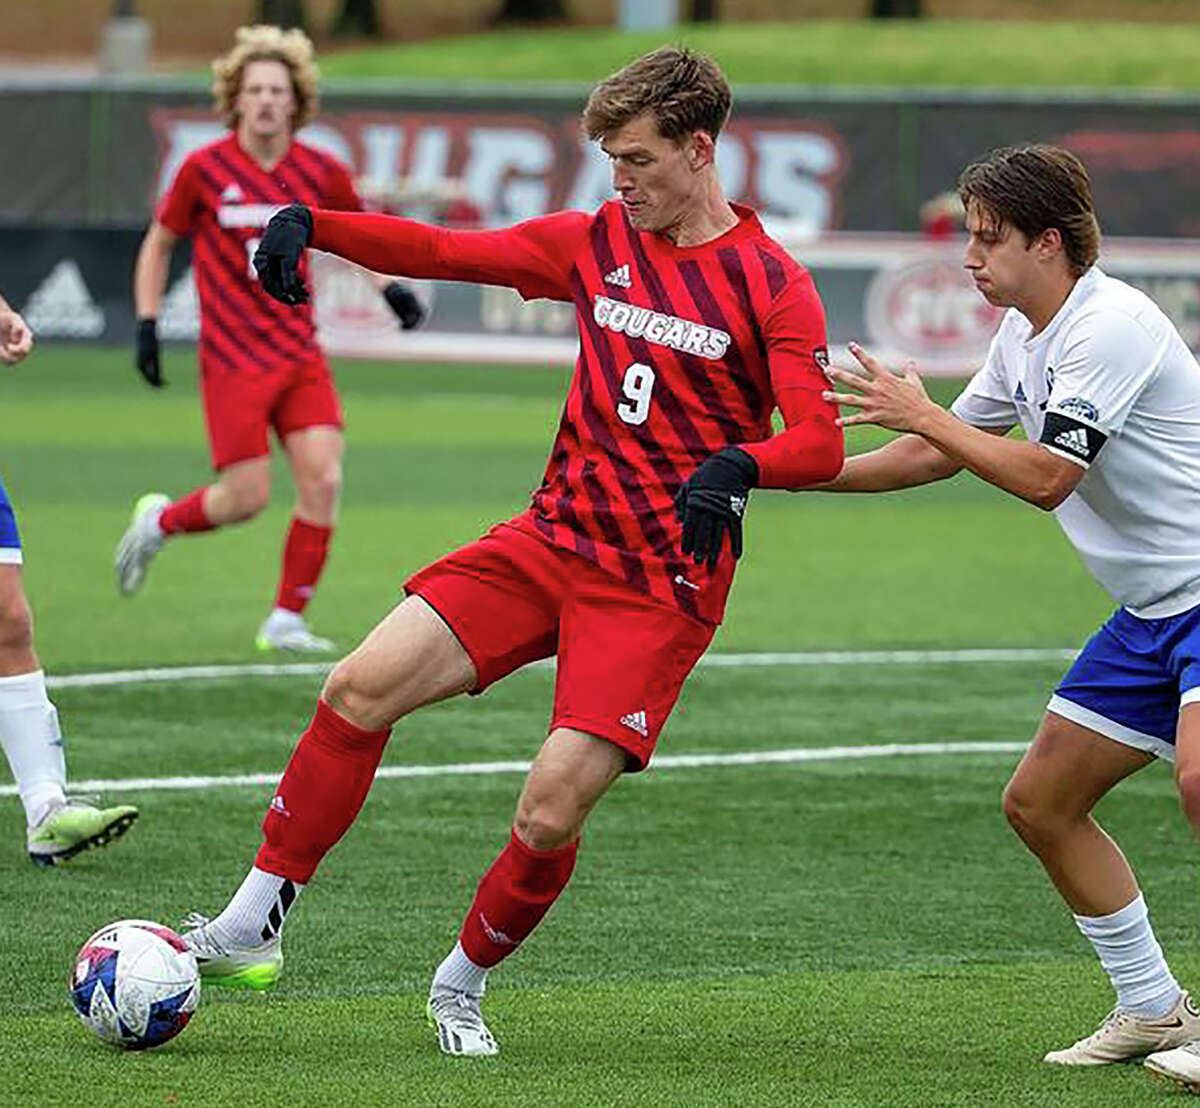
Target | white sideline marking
(719,660)
(488,769)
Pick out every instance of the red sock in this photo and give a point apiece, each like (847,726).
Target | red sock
(186,514)
(512,898)
(303,559)
(322,790)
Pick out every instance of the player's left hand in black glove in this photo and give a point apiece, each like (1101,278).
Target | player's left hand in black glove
(403,301)
(277,259)
(146,356)
(712,502)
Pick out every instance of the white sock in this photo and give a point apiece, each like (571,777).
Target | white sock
(459,972)
(257,910)
(32,743)
(285,615)
(1130,954)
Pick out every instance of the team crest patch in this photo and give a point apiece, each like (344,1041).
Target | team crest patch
(1078,407)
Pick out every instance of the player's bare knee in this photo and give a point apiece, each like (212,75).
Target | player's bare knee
(542,831)
(548,822)
(1188,783)
(16,623)
(1025,815)
(318,496)
(348,695)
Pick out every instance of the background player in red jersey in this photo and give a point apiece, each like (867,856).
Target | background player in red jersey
(260,366)
(694,326)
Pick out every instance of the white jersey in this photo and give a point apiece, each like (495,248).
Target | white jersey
(1110,385)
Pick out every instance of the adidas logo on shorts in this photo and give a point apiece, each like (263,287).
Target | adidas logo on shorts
(636,721)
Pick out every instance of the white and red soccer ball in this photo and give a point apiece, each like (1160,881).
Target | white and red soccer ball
(135,984)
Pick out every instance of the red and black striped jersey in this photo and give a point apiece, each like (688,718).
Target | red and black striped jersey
(682,351)
(223,198)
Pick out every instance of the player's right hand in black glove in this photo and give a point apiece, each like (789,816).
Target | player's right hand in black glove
(147,356)
(712,502)
(277,259)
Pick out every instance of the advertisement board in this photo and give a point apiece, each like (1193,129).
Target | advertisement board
(901,295)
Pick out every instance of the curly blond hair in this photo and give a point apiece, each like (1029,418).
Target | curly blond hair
(265,43)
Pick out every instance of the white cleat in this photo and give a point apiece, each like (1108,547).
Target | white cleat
(1180,1066)
(224,963)
(141,541)
(456,1017)
(1123,1037)
(284,630)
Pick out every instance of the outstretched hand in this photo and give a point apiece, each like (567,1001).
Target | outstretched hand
(16,339)
(897,401)
(277,259)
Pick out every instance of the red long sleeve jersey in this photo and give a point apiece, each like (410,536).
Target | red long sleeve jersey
(223,198)
(682,351)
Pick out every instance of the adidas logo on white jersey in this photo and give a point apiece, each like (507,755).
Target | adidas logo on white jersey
(1075,440)
(636,721)
(619,277)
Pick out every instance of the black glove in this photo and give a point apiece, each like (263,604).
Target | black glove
(277,259)
(147,352)
(712,501)
(403,301)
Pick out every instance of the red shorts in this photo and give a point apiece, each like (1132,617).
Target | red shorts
(512,598)
(240,409)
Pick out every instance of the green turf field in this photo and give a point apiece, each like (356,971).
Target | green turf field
(840,931)
(852,52)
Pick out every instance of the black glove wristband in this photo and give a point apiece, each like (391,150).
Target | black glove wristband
(146,352)
(403,301)
(277,259)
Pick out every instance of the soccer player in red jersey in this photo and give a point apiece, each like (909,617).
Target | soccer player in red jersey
(260,365)
(694,325)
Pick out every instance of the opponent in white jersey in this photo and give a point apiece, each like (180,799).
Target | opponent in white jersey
(1108,396)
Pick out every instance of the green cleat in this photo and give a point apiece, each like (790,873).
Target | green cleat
(76,826)
(228,966)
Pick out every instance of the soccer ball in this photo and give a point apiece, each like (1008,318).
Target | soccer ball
(135,984)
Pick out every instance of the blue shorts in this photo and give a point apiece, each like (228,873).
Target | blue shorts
(10,537)
(1131,679)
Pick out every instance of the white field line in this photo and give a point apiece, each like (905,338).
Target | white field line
(488,769)
(665,762)
(719,660)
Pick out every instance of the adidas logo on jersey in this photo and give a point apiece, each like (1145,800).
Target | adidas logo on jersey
(231,194)
(619,277)
(636,721)
(1075,440)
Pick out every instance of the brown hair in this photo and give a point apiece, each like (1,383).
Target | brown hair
(264,43)
(1033,188)
(684,90)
